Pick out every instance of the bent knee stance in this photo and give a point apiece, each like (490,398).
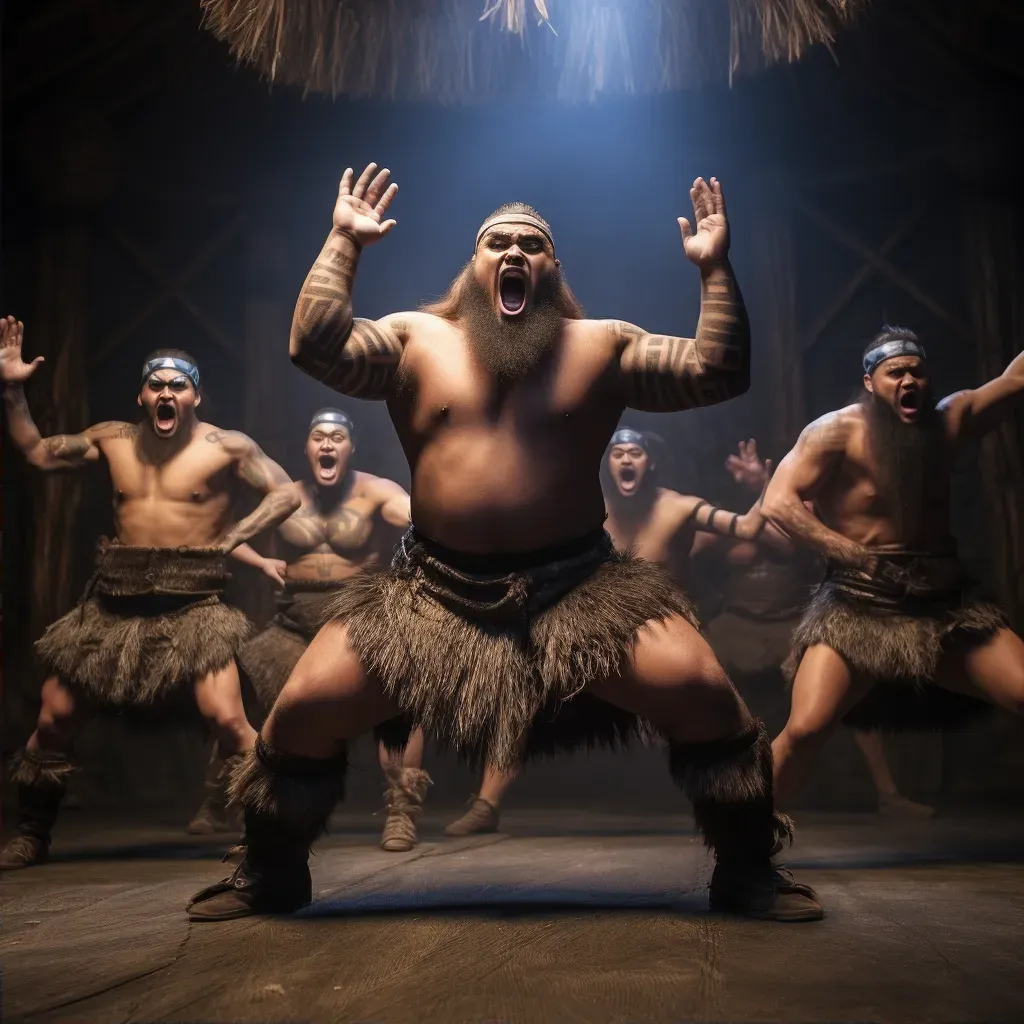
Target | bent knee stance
(58,717)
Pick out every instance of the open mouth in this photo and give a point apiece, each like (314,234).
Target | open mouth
(166,418)
(327,467)
(910,401)
(512,291)
(627,479)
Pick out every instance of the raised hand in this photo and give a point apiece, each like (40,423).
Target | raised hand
(361,206)
(747,468)
(709,245)
(13,368)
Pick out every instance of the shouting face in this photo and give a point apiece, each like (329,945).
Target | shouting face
(628,465)
(902,384)
(169,399)
(328,448)
(511,263)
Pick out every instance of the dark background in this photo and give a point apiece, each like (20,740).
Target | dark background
(154,194)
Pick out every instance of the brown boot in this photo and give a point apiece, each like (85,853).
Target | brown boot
(407,788)
(42,780)
(213,814)
(481,817)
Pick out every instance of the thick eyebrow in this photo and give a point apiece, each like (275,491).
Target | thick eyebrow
(523,236)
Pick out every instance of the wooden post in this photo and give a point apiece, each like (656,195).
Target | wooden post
(995,278)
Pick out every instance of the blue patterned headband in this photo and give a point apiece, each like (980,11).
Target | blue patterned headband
(628,436)
(889,350)
(332,416)
(170,363)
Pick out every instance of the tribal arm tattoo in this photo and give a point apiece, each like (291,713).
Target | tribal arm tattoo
(61,451)
(253,467)
(356,357)
(798,476)
(668,374)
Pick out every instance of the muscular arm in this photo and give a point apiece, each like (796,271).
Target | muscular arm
(261,473)
(356,357)
(798,477)
(667,374)
(974,413)
(752,526)
(396,510)
(62,451)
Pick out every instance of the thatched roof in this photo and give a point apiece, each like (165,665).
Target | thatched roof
(465,50)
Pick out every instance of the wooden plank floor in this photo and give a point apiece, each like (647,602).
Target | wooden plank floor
(580,918)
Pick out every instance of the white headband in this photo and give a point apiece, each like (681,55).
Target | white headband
(515,218)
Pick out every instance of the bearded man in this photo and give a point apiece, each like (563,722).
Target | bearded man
(894,637)
(348,523)
(151,624)
(508,625)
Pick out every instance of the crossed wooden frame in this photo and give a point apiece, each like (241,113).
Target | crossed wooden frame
(172,288)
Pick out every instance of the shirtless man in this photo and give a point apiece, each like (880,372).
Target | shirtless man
(151,623)
(765,594)
(893,637)
(652,522)
(508,625)
(349,521)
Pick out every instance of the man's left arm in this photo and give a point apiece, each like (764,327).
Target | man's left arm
(978,411)
(262,474)
(662,373)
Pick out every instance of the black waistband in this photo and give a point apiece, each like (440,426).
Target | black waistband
(502,563)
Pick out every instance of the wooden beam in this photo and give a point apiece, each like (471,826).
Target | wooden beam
(214,332)
(845,294)
(174,285)
(883,267)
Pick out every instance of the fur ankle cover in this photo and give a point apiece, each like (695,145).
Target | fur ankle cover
(298,793)
(37,768)
(729,783)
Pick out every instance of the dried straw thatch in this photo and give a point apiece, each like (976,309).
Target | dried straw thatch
(464,50)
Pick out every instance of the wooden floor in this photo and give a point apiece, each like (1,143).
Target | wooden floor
(579,918)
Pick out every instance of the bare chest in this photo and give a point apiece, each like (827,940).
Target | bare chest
(448,385)
(346,530)
(196,476)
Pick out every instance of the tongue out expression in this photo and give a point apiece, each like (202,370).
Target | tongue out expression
(328,451)
(628,464)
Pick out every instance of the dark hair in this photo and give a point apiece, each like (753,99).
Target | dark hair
(889,333)
(340,412)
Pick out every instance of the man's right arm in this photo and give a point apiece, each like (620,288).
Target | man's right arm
(356,357)
(62,451)
(797,479)
(353,356)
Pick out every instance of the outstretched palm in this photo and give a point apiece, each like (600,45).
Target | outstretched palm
(361,206)
(709,244)
(747,467)
(13,368)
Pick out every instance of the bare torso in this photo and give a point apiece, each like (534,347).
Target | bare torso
(850,499)
(184,501)
(661,535)
(506,470)
(332,538)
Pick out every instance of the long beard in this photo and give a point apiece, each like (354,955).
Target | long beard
(913,464)
(512,349)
